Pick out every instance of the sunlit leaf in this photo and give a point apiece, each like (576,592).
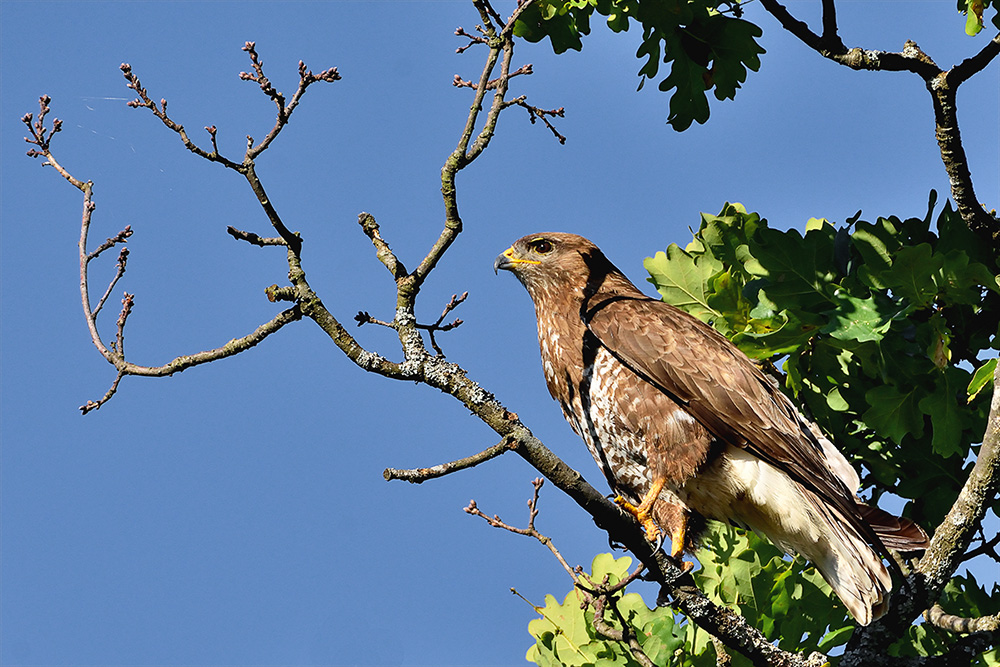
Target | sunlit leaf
(981,378)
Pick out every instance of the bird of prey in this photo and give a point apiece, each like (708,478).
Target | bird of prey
(686,428)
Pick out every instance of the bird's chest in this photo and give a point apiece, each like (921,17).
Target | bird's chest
(593,389)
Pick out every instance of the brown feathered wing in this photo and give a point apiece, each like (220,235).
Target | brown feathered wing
(725,392)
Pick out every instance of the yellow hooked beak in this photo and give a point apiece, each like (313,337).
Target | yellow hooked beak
(507,261)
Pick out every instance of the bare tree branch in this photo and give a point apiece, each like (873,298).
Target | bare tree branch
(530,531)
(961,72)
(122,261)
(598,596)
(306,79)
(95,405)
(144,101)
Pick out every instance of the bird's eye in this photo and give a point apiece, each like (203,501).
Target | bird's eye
(541,246)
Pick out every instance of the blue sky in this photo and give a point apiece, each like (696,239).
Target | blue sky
(236,513)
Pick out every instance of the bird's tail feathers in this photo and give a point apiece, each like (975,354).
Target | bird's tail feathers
(895,532)
(851,567)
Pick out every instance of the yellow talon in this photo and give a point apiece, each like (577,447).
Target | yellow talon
(643,513)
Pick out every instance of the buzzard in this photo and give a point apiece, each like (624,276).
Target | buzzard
(686,428)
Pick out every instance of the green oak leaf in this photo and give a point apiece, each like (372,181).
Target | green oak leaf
(946,420)
(859,319)
(682,278)
(894,414)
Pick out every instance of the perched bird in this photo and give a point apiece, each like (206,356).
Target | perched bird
(686,428)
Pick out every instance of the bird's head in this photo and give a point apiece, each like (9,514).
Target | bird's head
(553,263)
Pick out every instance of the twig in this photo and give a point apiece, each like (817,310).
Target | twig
(126,310)
(254,239)
(42,138)
(530,531)
(419,475)
(363,317)
(722,657)
(144,101)
(437,326)
(213,132)
(306,79)
(492,84)
(535,113)
(120,271)
(96,405)
(987,548)
(39,136)
(287,293)
(473,39)
(515,15)
(120,237)
(382,250)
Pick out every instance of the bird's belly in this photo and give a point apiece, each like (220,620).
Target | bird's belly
(741,489)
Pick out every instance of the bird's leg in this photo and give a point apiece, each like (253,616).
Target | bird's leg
(678,535)
(643,513)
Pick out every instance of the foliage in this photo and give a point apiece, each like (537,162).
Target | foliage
(565,634)
(705,48)
(789,602)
